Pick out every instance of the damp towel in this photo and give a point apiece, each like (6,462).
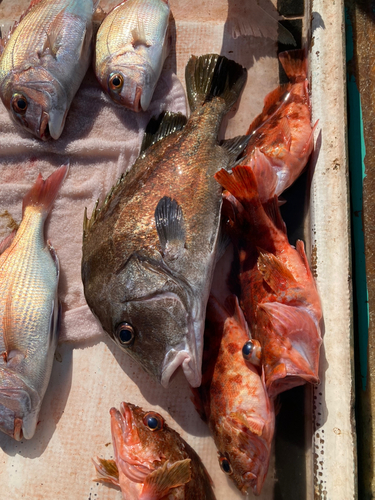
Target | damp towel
(101,141)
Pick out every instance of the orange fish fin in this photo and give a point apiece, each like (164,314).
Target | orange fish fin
(160,481)
(107,471)
(285,132)
(309,146)
(241,183)
(43,193)
(274,272)
(273,211)
(265,174)
(272,102)
(6,242)
(294,63)
(232,303)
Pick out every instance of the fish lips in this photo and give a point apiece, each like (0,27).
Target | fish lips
(163,339)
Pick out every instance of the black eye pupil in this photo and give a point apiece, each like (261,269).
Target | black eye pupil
(125,335)
(21,103)
(116,81)
(152,422)
(225,466)
(247,349)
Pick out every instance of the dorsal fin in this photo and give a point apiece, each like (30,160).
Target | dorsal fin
(166,124)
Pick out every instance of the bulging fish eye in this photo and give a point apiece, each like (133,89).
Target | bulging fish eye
(116,81)
(225,466)
(19,104)
(153,421)
(125,333)
(252,352)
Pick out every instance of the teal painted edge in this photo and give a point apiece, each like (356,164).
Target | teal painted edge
(357,152)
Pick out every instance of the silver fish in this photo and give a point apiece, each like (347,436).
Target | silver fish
(43,62)
(131,47)
(29,312)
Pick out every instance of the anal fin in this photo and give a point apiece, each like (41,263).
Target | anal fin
(235,147)
(274,272)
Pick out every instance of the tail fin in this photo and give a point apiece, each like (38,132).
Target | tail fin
(241,184)
(212,76)
(43,193)
(294,63)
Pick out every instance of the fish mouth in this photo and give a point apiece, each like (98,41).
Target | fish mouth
(189,366)
(125,436)
(44,132)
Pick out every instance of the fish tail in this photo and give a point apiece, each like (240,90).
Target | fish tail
(44,192)
(211,76)
(294,63)
(241,184)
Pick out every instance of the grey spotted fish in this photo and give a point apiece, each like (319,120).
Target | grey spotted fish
(131,47)
(43,62)
(152,461)
(149,251)
(29,312)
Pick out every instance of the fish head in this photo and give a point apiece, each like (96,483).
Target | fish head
(150,314)
(244,451)
(19,407)
(131,83)
(37,102)
(144,446)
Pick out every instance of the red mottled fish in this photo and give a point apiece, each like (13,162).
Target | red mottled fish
(152,461)
(278,292)
(282,132)
(233,398)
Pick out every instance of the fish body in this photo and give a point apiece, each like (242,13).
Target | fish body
(278,292)
(131,47)
(152,461)
(29,313)
(43,63)
(283,131)
(233,398)
(149,252)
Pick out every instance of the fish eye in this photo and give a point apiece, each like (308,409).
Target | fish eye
(225,465)
(252,352)
(19,104)
(153,421)
(125,333)
(116,81)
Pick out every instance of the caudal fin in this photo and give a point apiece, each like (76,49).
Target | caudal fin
(211,76)
(294,63)
(43,193)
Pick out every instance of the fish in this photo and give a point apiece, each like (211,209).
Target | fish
(131,46)
(278,292)
(149,250)
(282,135)
(29,311)
(152,461)
(43,62)
(233,398)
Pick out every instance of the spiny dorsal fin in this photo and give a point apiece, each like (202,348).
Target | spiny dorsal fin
(166,124)
(88,223)
(160,481)
(274,272)
(169,222)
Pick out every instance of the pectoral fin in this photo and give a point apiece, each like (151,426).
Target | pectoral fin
(170,227)
(107,471)
(159,482)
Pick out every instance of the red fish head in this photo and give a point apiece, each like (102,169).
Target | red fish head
(244,453)
(291,343)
